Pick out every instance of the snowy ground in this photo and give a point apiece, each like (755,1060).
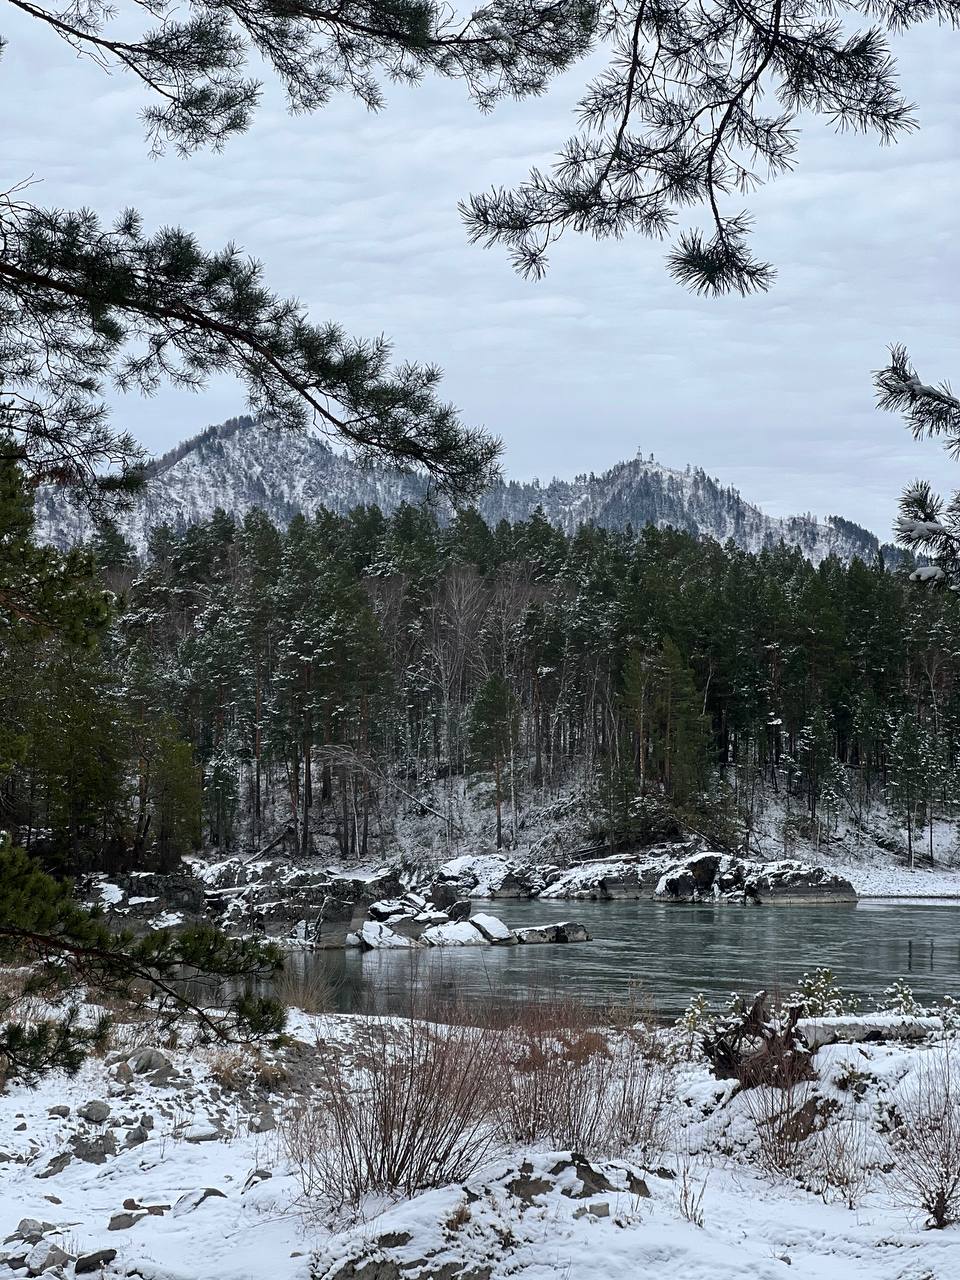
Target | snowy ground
(207,1198)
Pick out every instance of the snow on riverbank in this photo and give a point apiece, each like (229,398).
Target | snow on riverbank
(181,1174)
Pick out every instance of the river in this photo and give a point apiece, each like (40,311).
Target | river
(664,954)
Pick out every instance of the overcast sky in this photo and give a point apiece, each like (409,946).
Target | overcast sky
(356,214)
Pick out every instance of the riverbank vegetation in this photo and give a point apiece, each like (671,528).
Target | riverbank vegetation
(453,1134)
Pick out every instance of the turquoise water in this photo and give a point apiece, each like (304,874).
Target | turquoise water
(668,953)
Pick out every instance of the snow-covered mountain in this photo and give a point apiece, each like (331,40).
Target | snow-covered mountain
(243,464)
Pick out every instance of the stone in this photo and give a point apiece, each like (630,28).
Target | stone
(386,908)
(375,937)
(95,1111)
(122,1073)
(262,1123)
(535,933)
(44,1255)
(136,1136)
(570,931)
(256,1176)
(201,1133)
(192,1200)
(458,933)
(565,931)
(95,1150)
(493,929)
(60,1112)
(27,1227)
(56,1165)
(599,1209)
(90,1262)
(124,1221)
(459,910)
(148,1060)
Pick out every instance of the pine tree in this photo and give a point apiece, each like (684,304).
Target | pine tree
(926,524)
(72,950)
(493,731)
(908,772)
(697,104)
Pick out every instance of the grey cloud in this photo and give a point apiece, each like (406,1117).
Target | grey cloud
(356,214)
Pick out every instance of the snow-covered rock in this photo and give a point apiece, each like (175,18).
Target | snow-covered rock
(564,931)
(374,936)
(721,878)
(492,928)
(458,933)
(484,876)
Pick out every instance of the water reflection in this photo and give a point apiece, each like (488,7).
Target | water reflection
(667,954)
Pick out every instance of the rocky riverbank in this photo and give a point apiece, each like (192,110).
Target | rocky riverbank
(658,874)
(165,1163)
(316,905)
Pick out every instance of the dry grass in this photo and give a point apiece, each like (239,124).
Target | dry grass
(579,1085)
(311,992)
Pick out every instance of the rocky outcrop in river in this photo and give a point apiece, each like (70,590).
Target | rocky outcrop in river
(669,873)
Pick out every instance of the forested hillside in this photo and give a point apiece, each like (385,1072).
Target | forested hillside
(324,678)
(242,465)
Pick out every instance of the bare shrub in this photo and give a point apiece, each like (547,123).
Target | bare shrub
(839,1160)
(579,1086)
(783,1119)
(925,1139)
(412,1111)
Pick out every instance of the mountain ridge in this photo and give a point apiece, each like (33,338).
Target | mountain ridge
(242,464)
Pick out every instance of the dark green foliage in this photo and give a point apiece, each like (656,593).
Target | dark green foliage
(83,306)
(196,68)
(176,976)
(698,105)
(41,590)
(927,524)
(493,726)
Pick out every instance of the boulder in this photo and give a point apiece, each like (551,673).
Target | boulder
(45,1255)
(483,876)
(536,933)
(565,931)
(570,931)
(192,1200)
(374,937)
(94,1150)
(88,1263)
(458,933)
(789,883)
(95,1111)
(493,929)
(124,1221)
(388,907)
(143,1061)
